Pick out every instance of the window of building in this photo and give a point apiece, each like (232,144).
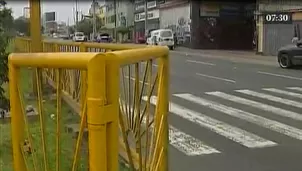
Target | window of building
(112,19)
(150,15)
(110,7)
(142,16)
(139,6)
(136,17)
(151,4)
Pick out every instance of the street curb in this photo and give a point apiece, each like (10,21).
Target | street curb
(270,61)
(224,56)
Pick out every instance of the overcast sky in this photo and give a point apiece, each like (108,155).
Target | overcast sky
(63,8)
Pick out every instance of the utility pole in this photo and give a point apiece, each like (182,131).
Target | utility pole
(94,20)
(68,27)
(73,15)
(77,14)
(146,18)
(115,22)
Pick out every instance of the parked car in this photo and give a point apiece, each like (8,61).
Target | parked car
(79,37)
(103,38)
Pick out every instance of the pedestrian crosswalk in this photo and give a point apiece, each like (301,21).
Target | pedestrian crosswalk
(285,104)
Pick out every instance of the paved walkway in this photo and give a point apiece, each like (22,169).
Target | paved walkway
(222,53)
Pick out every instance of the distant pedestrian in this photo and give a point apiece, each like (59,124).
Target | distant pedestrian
(175,39)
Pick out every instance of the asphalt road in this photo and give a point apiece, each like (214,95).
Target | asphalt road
(233,114)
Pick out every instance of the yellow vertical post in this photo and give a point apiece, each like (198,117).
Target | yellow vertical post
(102,115)
(113,93)
(16,119)
(83,77)
(163,94)
(35,32)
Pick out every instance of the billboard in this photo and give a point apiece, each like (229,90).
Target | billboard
(50,16)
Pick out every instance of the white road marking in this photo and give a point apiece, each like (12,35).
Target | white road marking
(223,79)
(265,107)
(283,92)
(133,79)
(183,142)
(238,135)
(188,144)
(295,88)
(271,98)
(249,117)
(278,75)
(199,62)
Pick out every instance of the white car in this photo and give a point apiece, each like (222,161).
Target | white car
(79,37)
(161,37)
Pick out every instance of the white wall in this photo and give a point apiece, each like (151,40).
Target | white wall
(170,16)
(126,8)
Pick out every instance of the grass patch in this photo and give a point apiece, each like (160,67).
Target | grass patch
(67,142)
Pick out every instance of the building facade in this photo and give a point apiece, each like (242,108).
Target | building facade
(110,15)
(222,25)
(119,13)
(175,15)
(139,18)
(272,36)
(102,15)
(99,9)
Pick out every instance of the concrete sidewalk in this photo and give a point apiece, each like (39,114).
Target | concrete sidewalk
(235,56)
(234,53)
(222,53)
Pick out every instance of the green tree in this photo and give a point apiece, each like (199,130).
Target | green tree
(99,23)
(71,29)
(21,25)
(6,24)
(85,26)
(123,31)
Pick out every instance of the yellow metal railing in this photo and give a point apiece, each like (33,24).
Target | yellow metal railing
(110,86)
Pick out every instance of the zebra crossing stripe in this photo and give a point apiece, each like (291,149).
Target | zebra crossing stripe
(283,92)
(295,88)
(249,117)
(265,107)
(238,135)
(185,143)
(188,144)
(271,98)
